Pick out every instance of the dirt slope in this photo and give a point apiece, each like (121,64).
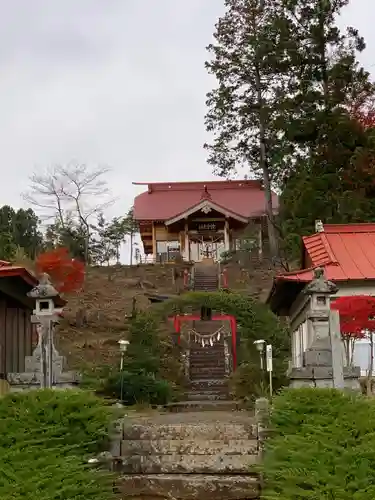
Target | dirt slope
(96,318)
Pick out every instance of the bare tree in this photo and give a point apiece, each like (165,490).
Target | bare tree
(72,192)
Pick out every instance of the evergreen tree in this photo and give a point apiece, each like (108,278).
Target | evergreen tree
(327,179)
(130,229)
(247,59)
(19,229)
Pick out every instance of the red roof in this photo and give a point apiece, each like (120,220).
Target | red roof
(6,269)
(164,201)
(346,251)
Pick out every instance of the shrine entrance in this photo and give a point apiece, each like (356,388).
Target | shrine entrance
(206,247)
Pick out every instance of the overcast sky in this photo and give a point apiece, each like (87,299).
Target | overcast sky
(114,82)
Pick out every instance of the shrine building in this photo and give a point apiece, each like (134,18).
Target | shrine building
(200,219)
(346,253)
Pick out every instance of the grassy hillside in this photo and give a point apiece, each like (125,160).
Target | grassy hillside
(96,318)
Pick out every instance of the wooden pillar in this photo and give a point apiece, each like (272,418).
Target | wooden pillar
(153,241)
(226,236)
(187,244)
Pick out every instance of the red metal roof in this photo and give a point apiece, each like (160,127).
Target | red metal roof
(346,251)
(22,272)
(163,201)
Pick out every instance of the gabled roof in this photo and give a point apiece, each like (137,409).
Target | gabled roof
(203,206)
(166,201)
(346,251)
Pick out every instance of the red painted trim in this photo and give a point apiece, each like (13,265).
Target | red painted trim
(20,272)
(178,319)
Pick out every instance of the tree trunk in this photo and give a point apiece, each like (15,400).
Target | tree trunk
(263,164)
(271,229)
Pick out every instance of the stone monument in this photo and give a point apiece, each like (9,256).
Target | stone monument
(323,360)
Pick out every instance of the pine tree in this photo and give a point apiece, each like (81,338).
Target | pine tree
(248,62)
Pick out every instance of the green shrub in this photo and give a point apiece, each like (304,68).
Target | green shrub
(152,370)
(46,438)
(322,446)
(138,388)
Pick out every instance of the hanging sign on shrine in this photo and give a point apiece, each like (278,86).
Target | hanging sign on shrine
(207,226)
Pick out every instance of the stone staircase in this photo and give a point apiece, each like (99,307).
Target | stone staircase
(207,373)
(187,456)
(206,277)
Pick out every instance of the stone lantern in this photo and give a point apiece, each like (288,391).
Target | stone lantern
(323,356)
(47,306)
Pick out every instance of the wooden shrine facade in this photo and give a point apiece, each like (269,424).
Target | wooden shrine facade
(197,220)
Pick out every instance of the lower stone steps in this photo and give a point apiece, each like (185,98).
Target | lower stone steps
(207,396)
(207,405)
(185,447)
(186,464)
(205,428)
(198,455)
(189,487)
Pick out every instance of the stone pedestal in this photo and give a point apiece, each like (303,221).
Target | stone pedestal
(32,377)
(322,377)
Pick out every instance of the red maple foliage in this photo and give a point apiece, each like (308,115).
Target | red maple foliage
(357,315)
(366,118)
(66,273)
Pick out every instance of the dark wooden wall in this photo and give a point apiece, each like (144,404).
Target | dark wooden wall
(15,335)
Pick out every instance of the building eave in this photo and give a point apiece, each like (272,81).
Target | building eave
(205,204)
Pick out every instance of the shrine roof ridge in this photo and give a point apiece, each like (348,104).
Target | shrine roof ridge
(200,185)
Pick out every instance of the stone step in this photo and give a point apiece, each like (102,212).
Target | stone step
(203,406)
(214,370)
(207,395)
(189,487)
(202,360)
(204,376)
(185,447)
(207,351)
(212,382)
(186,464)
(208,385)
(190,431)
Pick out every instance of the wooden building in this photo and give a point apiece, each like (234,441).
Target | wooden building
(16,329)
(199,219)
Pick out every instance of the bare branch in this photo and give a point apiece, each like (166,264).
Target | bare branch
(73,192)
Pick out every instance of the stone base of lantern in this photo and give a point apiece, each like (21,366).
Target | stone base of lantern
(30,379)
(27,381)
(322,377)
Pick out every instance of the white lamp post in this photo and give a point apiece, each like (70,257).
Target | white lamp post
(259,344)
(123,345)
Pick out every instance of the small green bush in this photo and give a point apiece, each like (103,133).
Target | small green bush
(139,388)
(151,369)
(322,446)
(46,438)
